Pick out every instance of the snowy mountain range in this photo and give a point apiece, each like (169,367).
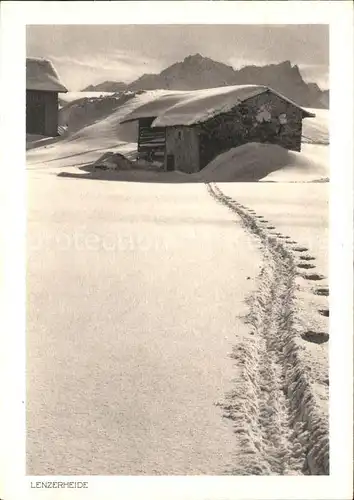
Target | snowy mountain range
(198,72)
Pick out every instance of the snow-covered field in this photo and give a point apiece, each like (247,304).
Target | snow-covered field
(127,299)
(269,163)
(165,302)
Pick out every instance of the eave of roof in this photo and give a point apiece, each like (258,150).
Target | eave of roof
(305,113)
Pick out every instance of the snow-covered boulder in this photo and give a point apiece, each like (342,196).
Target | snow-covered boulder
(113,161)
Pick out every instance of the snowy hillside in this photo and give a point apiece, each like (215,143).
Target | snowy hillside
(316,130)
(94,127)
(90,107)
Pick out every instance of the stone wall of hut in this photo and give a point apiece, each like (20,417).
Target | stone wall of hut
(266,118)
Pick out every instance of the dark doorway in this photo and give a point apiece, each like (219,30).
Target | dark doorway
(35,113)
(170,163)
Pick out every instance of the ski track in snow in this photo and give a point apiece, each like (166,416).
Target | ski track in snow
(280,428)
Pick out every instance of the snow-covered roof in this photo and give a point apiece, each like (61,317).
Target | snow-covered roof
(41,75)
(197,106)
(156,106)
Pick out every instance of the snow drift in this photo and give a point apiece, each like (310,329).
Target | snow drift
(268,162)
(316,130)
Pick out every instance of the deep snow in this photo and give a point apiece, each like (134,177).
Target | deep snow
(316,130)
(132,313)
(157,284)
(286,356)
(269,163)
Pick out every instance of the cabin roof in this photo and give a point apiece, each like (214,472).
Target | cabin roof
(156,106)
(197,106)
(41,75)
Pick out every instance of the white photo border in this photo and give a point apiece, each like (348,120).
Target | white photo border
(14,484)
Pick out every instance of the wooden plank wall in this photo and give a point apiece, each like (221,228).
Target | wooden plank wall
(151,141)
(51,113)
(42,112)
(35,112)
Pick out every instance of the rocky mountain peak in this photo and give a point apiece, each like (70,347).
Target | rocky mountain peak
(198,72)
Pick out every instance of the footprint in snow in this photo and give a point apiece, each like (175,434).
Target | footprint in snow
(315,337)
(300,249)
(324,312)
(313,276)
(305,265)
(307,257)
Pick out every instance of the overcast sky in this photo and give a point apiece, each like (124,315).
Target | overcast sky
(89,54)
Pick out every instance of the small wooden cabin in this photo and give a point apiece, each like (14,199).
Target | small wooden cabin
(199,127)
(42,88)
